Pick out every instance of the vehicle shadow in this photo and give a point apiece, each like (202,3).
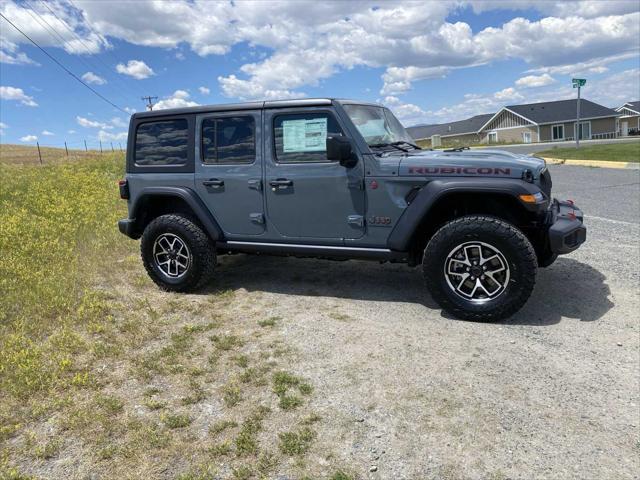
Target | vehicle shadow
(568,288)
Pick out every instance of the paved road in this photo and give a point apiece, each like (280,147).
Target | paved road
(551,393)
(538,147)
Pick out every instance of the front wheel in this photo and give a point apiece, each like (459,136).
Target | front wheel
(177,254)
(480,268)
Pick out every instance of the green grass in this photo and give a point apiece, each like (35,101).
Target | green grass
(86,339)
(296,442)
(610,152)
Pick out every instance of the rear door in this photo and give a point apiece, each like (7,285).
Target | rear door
(228,170)
(309,197)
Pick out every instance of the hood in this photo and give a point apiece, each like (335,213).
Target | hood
(470,163)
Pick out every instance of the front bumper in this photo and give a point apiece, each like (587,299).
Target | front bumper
(567,231)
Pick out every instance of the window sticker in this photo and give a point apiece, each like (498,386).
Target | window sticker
(304,135)
(373,128)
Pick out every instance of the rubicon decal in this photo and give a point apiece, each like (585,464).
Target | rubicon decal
(458,171)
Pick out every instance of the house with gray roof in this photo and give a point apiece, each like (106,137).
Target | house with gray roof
(527,123)
(629,121)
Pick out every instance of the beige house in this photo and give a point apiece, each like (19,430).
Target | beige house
(629,120)
(527,123)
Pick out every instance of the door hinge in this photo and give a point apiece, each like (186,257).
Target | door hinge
(357,220)
(356,184)
(255,184)
(257,218)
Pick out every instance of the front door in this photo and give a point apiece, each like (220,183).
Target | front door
(309,197)
(228,173)
(624,129)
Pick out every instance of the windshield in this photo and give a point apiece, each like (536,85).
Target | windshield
(377,125)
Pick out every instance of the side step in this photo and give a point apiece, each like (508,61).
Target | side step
(321,251)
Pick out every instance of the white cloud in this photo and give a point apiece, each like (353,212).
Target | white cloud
(130,110)
(407,113)
(65,21)
(3,127)
(136,69)
(9,54)
(508,94)
(17,94)
(91,77)
(85,122)
(29,138)
(252,90)
(112,137)
(204,90)
(532,81)
(180,98)
(71,132)
(309,42)
(118,122)
(398,80)
(47,133)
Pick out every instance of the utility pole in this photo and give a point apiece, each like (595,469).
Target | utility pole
(66,149)
(39,154)
(149,100)
(100,146)
(577,83)
(85,146)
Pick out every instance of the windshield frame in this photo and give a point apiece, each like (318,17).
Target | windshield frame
(395,132)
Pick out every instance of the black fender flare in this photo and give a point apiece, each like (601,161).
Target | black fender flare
(199,209)
(401,235)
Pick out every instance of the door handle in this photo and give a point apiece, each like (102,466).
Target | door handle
(213,182)
(279,183)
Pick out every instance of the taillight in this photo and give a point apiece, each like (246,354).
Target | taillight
(124,189)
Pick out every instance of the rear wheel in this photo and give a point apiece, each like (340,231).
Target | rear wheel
(177,254)
(480,268)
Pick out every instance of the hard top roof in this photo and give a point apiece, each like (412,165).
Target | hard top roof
(226,107)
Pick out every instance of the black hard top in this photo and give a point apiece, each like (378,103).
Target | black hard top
(226,107)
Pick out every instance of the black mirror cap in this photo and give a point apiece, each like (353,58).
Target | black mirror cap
(339,148)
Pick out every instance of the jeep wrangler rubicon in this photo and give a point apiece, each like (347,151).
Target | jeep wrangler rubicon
(339,179)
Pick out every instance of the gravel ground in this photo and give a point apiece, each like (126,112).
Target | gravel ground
(406,392)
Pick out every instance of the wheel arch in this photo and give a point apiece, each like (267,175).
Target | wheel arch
(440,201)
(152,202)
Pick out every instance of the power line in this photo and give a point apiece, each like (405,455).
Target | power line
(61,65)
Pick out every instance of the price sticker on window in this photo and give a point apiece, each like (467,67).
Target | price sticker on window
(304,135)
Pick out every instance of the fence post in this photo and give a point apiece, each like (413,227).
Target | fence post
(120,145)
(100,146)
(112,147)
(39,154)
(66,149)
(85,146)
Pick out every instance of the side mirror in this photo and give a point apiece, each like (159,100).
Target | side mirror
(339,148)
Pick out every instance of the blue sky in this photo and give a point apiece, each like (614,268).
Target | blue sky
(430,62)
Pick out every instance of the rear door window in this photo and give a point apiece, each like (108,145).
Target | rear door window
(162,143)
(228,140)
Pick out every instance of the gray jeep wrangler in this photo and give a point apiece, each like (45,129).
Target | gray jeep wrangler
(339,179)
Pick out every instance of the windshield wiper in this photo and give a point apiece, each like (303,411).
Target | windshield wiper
(402,142)
(394,145)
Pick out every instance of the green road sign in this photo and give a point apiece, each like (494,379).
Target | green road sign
(578,82)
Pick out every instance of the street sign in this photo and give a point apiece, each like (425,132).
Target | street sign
(579,82)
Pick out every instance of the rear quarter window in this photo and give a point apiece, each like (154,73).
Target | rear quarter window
(162,143)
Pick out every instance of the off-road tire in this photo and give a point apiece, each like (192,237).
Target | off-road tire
(509,240)
(202,250)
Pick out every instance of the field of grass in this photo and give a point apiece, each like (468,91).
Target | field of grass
(102,374)
(616,152)
(28,155)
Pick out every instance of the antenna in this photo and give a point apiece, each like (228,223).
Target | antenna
(149,102)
